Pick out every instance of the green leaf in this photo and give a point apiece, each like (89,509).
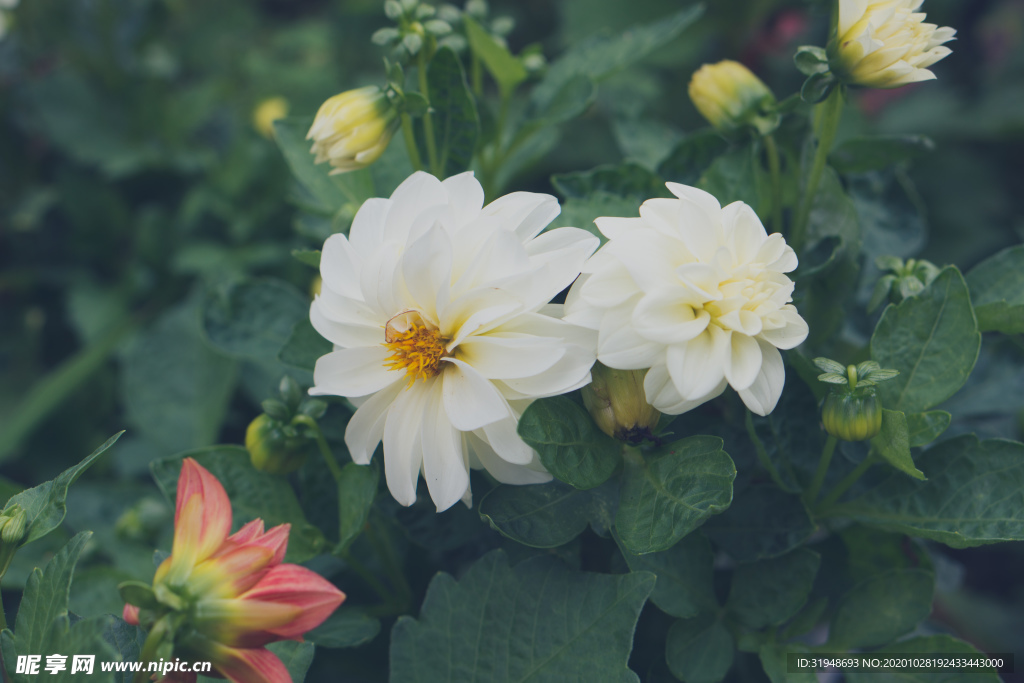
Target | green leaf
(997,291)
(770,592)
(456,123)
(872,552)
(538,621)
(734,176)
(304,346)
(540,516)
(774,659)
(174,387)
(670,492)
(974,495)
(699,650)
(940,645)
(126,640)
(253,319)
(357,487)
(685,574)
(893,443)
(311,257)
(507,71)
(296,657)
(882,608)
(817,87)
(624,180)
(253,494)
(764,521)
(932,339)
(347,627)
(46,597)
(601,56)
(688,161)
(810,60)
(860,155)
(834,214)
(325,189)
(570,445)
(580,212)
(44,505)
(923,428)
(830,366)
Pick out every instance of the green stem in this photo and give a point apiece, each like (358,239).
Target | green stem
(325,448)
(847,481)
(428,119)
(774,169)
(819,475)
(829,113)
(410,143)
(54,389)
(762,454)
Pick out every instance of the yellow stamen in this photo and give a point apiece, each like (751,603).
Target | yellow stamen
(418,350)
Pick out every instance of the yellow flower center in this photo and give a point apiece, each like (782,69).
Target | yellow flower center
(414,347)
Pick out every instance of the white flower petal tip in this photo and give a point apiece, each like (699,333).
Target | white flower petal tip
(886,44)
(437,307)
(698,293)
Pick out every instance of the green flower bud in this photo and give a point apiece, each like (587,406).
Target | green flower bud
(15,520)
(855,416)
(275,447)
(617,402)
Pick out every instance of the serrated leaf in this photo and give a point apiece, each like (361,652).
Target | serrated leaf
(456,123)
(932,339)
(347,627)
(974,495)
(764,521)
(253,494)
(357,487)
(830,366)
(685,574)
(860,155)
(540,516)
(770,592)
(997,291)
(882,608)
(601,56)
(941,646)
(923,428)
(253,319)
(126,640)
(538,621)
(570,445)
(44,505)
(671,491)
(507,71)
(893,443)
(46,597)
(699,650)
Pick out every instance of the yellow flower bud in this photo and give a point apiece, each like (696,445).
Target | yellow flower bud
(268,111)
(885,44)
(352,130)
(618,404)
(730,96)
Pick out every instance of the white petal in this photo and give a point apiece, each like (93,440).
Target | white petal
(367,231)
(465,197)
(618,228)
(338,266)
(470,400)
(525,213)
(353,372)
(790,329)
(495,357)
(762,396)
(359,328)
(620,346)
(403,443)
(427,266)
(666,316)
(745,229)
(571,372)
(444,468)
(502,470)
(743,362)
(696,367)
(505,441)
(565,250)
(366,427)
(418,192)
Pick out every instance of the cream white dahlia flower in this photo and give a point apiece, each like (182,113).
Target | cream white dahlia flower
(438,310)
(886,43)
(697,293)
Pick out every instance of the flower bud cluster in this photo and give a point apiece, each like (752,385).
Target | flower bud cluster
(278,439)
(904,279)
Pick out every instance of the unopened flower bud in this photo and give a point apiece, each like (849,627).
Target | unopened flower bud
(618,404)
(275,447)
(268,111)
(852,417)
(352,130)
(730,97)
(15,519)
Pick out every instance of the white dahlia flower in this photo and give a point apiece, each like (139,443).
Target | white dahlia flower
(886,43)
(438,310)
(698,294)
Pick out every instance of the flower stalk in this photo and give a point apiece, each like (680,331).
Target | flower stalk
(828,115)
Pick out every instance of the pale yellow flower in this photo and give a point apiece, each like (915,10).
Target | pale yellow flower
(730,96)
(352,130)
